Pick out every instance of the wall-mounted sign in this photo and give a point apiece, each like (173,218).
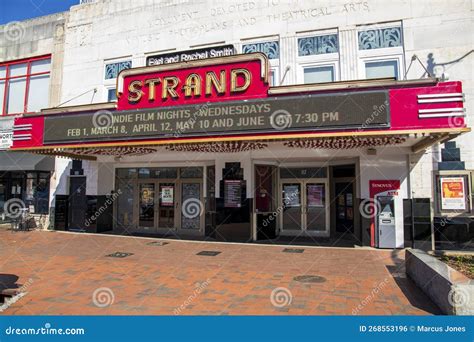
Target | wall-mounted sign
(6,139)
(202,81)
(453,196)
(271,115)
(232,193)
(191,55)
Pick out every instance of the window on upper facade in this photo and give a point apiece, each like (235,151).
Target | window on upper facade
(381,69)
(379,38)
(318,56)
(320,74)
(113,69)
(24,85)
(318,45)
(380,51)
(111,95)
(271,49)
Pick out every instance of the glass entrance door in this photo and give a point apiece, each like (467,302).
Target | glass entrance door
(292,206)
(344,207)
(146,205)
(305,207)
(167,205)
(315,207)
(156,205)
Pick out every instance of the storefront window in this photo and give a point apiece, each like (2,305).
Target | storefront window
(125,202)
(165,172)
(36,196)
(191,172)
(126,173)
(309,172)
(144,173)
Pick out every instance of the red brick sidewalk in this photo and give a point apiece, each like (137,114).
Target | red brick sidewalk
(65,273)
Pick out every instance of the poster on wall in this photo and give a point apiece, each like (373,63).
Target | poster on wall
(6,139)
(292,195)
(315,195)
(167,195)
(453,196)
(232,193)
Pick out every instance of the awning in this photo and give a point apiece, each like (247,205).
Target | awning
(19,161)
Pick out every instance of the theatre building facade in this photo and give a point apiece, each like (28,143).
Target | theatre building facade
(334,124)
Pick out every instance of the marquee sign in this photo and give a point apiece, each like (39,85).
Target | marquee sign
(270,115)
(211,80)
(229,98)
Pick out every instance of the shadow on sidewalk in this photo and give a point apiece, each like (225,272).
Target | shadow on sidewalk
(413,293)
(8,281)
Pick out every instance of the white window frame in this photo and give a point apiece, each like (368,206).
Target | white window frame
(107,88)
(321,60)
(383,58)
(301,67)
(274,64)
(382,54)
(111,82)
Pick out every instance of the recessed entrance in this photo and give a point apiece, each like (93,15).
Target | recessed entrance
(304,199)
(160,200)
(156,204)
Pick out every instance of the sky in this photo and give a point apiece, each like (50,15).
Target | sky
(14,10)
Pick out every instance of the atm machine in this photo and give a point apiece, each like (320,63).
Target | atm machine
(389,219)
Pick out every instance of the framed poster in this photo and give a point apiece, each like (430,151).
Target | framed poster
(291,195)
(167,195)
(453,195)
(315,195)
(232,193)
